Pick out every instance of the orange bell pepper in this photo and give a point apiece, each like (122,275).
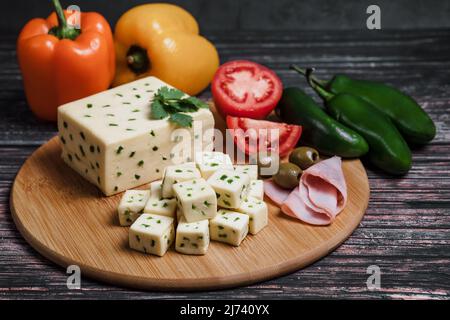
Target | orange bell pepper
(162,40)
(60,64)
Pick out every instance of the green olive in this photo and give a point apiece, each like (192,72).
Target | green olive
(304,157)
(265,163)
(287,176)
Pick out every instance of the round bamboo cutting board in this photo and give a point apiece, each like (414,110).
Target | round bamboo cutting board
(68,221)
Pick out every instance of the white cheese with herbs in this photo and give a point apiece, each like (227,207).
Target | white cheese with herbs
(229,227)
(157,205)
(177,173)
(231,188)
(256,189)
(192,237)
(132,205)
(155,189)
(257,212)
(163,207)
(110,139)
(196,199)
(152,234)
(249,169)
(209,162)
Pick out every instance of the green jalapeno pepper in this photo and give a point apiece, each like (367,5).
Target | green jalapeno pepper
(410,119)
(319,129)
(387,148)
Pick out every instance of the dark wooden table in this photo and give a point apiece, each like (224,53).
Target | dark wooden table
(405,230)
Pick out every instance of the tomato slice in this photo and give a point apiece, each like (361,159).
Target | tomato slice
(252,136)
(244,88)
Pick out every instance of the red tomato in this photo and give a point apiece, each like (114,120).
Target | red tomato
(252,141)
(243,88)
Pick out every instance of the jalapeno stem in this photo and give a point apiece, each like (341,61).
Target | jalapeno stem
(316,84)
(303,72)
(319,88)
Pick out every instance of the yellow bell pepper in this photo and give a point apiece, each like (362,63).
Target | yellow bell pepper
(163,40)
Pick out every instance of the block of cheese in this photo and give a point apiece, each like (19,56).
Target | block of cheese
(230,187)
(229,227)
(193,237)
(257,212)
(132,205)
(177,173)
(110,139)
(152,233)
(209,162)
(196,199)
(250,169)
(256,189)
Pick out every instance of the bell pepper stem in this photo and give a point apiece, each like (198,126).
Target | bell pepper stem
(137,60)
(62,30)
(62,22)
(303,72)
(319,88)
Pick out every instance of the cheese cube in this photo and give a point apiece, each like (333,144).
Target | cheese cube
(158,205)
(155,189)
(179,215)
(250,169)
(257,212)
(178,173)
(231,188)
(110,139)
(209,162)
(163,207)
(229,227)
(256,189)
(192,238)
(196,199)
(152,233)
(131,206)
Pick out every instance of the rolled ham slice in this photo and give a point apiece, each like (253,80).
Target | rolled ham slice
(275,193)
(295,207)
(321,195)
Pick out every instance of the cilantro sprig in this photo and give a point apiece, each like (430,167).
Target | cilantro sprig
(174,104)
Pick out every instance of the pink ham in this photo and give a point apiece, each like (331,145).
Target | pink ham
(322,193)
(318,195)
(295,207)
(275,193)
